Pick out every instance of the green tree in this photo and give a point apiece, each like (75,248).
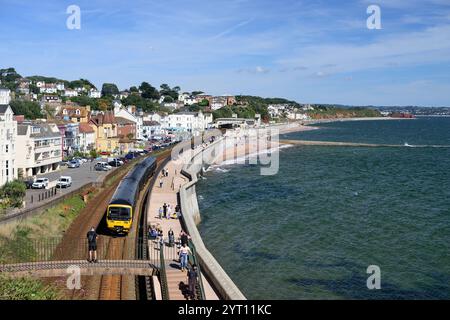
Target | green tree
(93,153)
(109,89)
(14,192)
(148,91)
(204,103)
(30,109)
(168,99)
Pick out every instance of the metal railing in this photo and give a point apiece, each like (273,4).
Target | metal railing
(194,261)
(163,277)
(20,249)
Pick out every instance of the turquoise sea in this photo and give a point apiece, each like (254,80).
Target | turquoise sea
(311,231)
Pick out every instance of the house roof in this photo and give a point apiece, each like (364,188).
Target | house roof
(71,111)
(45,132)
(85,128)
(3,108)
(103,118)
(120,120)
(151,123)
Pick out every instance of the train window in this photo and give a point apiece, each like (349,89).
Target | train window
(119,213)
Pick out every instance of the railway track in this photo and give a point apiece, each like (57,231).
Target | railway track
(117,287)
(72,247)
(111,285)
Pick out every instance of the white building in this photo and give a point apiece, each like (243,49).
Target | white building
(70,93)
(8,137)
(183,96)
(48,88)
(94,94)
(297,116)
(5,96)
(40,84)
(40,148)
(130,114)
(152,129)
(192,122)
(86,137)
(190,100)
(60,86)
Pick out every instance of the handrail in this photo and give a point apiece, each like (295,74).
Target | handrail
(163,275)
(193,258)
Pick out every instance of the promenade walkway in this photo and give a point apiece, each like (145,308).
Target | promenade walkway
(168,194)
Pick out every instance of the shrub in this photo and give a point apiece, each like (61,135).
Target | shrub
(13,192)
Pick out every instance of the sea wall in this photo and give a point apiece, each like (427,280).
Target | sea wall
(191,217)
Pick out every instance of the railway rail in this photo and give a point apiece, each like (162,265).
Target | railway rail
(118,287)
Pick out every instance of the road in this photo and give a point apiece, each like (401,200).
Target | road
(80,176)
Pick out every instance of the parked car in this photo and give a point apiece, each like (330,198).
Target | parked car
(100,167)
(64,182)
(40,183)
(80,160)
(63,163)
(115,162)
(73,164)
(29,182)
(104,164)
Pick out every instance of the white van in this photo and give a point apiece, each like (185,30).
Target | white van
(64,182)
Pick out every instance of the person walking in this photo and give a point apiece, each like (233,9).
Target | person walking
(165,210)
(160,212)
(92,244)
(184,238)
(192,280)
(171,237)
(160,183)
(184,255)
(169,211)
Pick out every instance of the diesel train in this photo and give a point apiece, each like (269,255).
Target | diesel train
(122,207)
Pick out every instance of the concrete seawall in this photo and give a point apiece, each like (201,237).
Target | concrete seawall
(191,217)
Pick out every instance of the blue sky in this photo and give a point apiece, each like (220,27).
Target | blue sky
(310,51)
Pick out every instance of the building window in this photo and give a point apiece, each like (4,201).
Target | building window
(7,148)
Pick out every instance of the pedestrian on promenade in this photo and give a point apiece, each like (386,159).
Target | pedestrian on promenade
(171,237)
(165,210)
(173,184)
(169,211)
(92,244)
(160,183)
(161,238)
(184,255)
(192,280)
(160,212)
(184,238)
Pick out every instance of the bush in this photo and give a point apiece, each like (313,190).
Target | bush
(13,192)
(25,289)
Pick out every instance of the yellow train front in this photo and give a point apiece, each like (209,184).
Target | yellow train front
(119,218)
(121,208)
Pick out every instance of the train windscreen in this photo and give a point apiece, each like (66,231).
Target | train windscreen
(119,213)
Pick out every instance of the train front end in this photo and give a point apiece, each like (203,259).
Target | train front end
(119,218)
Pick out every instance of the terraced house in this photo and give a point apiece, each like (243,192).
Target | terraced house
(40,149)
(8,134)
(105,128)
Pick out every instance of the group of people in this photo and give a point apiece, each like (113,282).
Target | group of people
(166,211)
(164,174)
(156,232)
